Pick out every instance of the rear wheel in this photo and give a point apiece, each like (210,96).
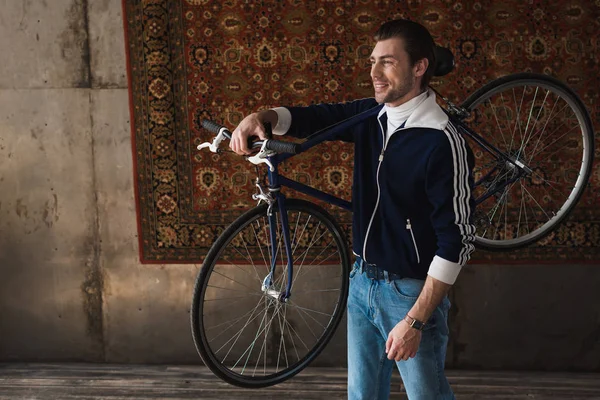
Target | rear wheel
(539,123)
(243,330)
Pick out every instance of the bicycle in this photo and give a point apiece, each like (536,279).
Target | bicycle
(286,246)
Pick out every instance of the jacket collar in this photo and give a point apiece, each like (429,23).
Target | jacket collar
(427,115)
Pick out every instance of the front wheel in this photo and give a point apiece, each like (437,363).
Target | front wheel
(243,330)
(540,123)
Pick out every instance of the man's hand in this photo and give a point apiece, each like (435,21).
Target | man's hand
(252,125)
(403,342)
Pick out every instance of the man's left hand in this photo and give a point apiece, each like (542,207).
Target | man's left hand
(403,342)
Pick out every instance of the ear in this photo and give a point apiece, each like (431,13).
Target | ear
(420,67)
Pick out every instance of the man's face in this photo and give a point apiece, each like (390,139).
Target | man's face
(394,80)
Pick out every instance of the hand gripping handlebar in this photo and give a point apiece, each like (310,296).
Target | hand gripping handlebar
(267,147)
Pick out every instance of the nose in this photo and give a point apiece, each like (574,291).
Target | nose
(375,71)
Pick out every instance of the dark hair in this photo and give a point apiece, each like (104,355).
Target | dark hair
(418,43)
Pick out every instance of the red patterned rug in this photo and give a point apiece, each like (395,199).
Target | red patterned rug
(195,59)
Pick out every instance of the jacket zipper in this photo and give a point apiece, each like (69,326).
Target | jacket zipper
(375,209)
(378,192)
(412,234)
(385,142)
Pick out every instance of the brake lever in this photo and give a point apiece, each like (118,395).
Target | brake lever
(214,146)
(261,156)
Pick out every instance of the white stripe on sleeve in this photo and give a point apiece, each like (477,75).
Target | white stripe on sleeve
(462,191)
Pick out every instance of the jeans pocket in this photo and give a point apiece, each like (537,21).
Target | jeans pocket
(408,288)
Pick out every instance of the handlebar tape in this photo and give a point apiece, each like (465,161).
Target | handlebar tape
(283,147)
(215,128)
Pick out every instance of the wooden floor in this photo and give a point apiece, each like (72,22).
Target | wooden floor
(106,381)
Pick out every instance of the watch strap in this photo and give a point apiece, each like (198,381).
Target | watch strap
(415,323)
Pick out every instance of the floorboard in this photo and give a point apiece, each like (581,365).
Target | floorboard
(20,381)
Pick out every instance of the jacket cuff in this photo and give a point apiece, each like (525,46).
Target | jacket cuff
(284,120)
(444,270)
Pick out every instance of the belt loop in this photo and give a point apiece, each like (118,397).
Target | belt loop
(386,275)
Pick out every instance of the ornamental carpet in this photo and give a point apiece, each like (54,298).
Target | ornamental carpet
(195,59)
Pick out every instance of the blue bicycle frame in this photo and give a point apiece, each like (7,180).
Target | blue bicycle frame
(276,181)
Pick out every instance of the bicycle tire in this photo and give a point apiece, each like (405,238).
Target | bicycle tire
(243,234)
(492,111)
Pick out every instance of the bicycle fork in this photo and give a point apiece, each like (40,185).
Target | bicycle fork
(275,198)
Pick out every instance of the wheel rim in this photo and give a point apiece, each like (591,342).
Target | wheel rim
(248,333)
(533,122)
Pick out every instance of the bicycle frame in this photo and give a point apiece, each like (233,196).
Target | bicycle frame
(276,181)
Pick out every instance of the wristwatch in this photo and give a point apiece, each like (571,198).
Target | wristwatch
(414,323)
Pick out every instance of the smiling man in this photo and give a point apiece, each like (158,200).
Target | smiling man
(412,209)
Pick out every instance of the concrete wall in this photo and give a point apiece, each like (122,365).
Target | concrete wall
(71,285)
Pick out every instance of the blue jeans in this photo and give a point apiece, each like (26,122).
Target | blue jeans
(374,308)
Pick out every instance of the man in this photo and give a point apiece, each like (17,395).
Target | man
(412,210)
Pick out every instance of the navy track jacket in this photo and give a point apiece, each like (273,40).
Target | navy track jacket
(412,202)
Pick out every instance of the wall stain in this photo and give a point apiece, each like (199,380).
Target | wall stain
(35,134)
(21,209)
(35,217)
(24,9)
(50,212)
(74,41)
(92,288)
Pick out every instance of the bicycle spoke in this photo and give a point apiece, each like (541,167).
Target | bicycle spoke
(302,234)
(291,328)
(298,271)
(238,334)
(267,326)
(536,202)
(540,134)
(282,343)
(531,132)
(528,122)
(524,204)
(317,290)
(242,269)
(231,279)
(285,321)
(308,309)
(517,114)
(498,123)
(262,347)
(556,151)
(295,232)
(260,247)
(230,324)
(230,298)
(549,183)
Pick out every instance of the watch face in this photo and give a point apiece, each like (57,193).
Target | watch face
(417,324)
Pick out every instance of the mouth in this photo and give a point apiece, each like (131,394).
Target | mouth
(379,86)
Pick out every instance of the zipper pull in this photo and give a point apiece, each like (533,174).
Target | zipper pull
(381,155)
(408,226)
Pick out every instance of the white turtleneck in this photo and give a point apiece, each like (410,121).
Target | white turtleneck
(398,115)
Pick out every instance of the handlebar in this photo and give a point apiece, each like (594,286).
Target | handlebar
(222,132)
(215,128)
